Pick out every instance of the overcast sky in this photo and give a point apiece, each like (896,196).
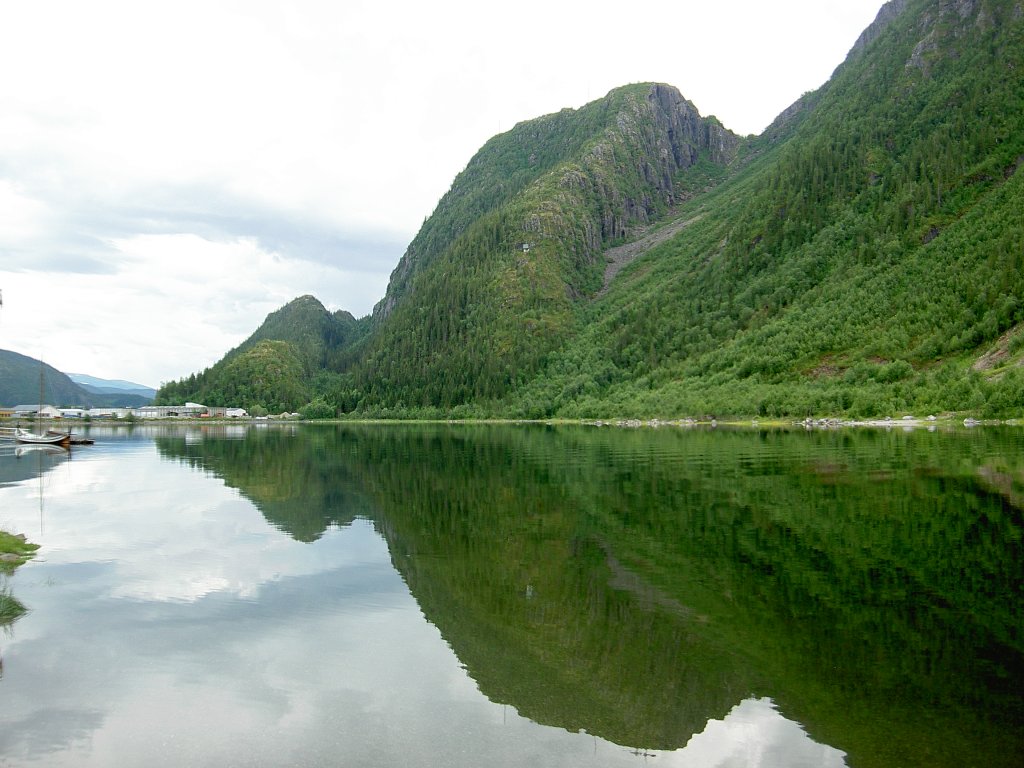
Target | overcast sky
(170,173)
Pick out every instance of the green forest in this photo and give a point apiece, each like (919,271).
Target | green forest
(27,381)
(861,257)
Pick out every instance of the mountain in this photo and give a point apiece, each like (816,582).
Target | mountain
(314,333)
(491,284)
(280,366)
(19,385)
(111,386)
(517,240)
(863,256)
(867,261)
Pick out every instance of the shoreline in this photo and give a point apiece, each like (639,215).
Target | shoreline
(15,550)
(946,420)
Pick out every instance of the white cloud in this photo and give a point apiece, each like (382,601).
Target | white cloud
(233,550)
(755,735)
(272,135)
(174,303)
(22,217)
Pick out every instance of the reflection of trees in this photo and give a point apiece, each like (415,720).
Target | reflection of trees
(634,584)
(637,583)
(11,608)
(504,561)
(15,550)
(298,481)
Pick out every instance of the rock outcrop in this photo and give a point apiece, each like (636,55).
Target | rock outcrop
(648,133)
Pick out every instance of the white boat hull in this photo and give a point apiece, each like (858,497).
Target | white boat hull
(31,438)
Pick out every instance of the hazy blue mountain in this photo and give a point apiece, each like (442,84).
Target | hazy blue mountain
(111,386)
(20,385)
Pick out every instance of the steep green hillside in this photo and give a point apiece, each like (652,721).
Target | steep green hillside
(492,282)
(861,264)
(316,334)
(278,367)
(19,383)
(863,256)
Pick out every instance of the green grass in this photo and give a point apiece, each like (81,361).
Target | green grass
(16,546)
(14,551)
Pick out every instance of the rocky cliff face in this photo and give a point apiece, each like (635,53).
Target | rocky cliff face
(661,135)
(489,284)
(642,135)
(886,14)
(937,19)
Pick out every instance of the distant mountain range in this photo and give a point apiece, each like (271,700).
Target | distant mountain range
(19,385)
(111,386)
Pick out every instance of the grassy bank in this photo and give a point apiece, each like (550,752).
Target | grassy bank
(14,550)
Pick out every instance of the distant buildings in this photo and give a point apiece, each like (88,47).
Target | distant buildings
(109,413)
(186,411)
(31,411)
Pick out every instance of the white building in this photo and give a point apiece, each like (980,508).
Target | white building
(31,411)
(188,410)
(109,413)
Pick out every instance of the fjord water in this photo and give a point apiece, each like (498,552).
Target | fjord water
(409,595)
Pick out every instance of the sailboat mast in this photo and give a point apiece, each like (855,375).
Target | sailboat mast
(39,413)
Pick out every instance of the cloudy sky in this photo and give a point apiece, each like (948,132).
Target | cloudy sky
(171,173)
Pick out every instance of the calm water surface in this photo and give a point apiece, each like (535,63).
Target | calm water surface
(513,596)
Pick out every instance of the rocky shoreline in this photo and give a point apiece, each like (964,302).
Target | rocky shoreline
(930,422)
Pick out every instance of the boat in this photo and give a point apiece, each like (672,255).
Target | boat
(25,437)
(75,439)
(50,436)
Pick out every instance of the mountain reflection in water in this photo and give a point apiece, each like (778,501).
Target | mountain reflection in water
(670,592)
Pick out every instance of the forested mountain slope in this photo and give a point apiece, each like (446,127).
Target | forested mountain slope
(492,282)
(281,366)
(20,385)
(861,264)
(862,256)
